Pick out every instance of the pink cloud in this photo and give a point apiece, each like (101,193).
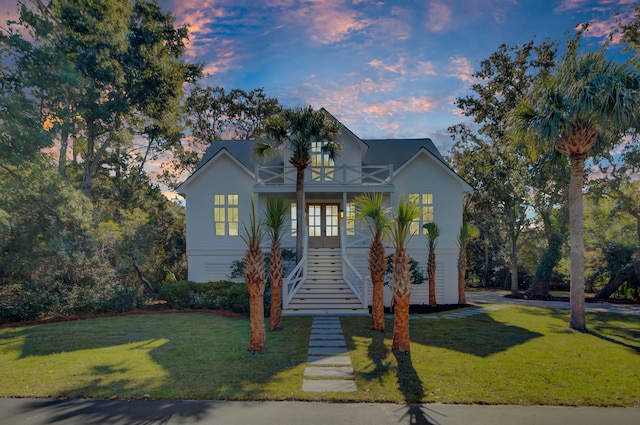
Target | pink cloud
(397,68)
(460,68)
(426,68)
(569,5)
(331,21)
(391,107)
(439,17)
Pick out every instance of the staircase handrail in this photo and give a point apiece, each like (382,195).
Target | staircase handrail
(353,278)
(298,275)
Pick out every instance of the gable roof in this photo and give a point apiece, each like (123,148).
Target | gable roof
(238,151)
(397,152)
(400,152)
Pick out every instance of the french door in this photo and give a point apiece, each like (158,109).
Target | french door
(324,222)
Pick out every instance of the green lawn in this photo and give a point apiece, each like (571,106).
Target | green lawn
(516,355)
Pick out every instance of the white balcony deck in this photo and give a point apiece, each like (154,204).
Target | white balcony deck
(317,179)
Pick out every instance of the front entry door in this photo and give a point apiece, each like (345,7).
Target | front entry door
(324,225)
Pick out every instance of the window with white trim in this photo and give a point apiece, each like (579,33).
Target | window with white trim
(294,220)
(424,201)
(225,214)
(322,167)
(350,216)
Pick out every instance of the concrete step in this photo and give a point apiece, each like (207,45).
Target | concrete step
(326,312)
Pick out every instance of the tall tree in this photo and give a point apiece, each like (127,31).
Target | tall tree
(467,232)
(370,209)
(254,272)
(297,130)
(216,114)
(155,75)
(275,216)
(98,71)
(490,160)
(580,109)
(401,274)
(549,178)
(433,233)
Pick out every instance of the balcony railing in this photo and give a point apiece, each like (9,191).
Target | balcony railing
(376,175)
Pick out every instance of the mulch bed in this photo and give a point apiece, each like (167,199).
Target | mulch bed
(426,309)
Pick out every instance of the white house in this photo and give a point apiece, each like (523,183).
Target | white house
(332,277)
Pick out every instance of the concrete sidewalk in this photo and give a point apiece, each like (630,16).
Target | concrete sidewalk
(171,412)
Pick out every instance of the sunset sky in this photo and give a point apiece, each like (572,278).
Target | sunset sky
(384,68)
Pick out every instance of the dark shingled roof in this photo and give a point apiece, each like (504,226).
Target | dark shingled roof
(241,149)
(397,151)
(380,152)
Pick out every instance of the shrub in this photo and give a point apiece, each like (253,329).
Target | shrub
(176,294)
(417,274)
(213,295)
(29,301)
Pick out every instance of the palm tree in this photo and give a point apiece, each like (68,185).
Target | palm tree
(298,130)
(254,274)
(467,232)
(275,215)
(433,232)
(401,274)
(370,208)
(581,109)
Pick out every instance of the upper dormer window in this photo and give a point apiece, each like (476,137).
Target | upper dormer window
(322,167)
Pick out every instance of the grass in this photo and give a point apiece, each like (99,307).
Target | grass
(516,355)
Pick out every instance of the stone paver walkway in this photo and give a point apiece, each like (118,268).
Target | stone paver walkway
(328,363)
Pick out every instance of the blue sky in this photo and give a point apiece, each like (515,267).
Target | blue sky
(384,68)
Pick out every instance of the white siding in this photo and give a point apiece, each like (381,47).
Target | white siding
(424,175)
(210,256)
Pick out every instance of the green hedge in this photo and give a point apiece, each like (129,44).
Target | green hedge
(211,295)
(30,301)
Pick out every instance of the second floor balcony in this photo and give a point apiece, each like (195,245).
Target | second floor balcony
(342,177)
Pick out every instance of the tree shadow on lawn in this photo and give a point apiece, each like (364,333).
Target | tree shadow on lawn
(479,335)
(166,356)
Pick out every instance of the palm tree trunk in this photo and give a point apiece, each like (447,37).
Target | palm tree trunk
(377,267)
(275,318)
(462,271)
(254,274)
(401,299)
(576,223)
(401,340)
(300,208)
(257,335)
(431,270)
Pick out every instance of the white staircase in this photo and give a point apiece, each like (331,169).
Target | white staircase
(325,292)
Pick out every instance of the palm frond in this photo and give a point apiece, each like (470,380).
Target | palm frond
(370,209)
(252,234)
(275,217)
(407,211)
(433,232)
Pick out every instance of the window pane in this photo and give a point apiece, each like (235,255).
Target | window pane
(294,219)
(218,200)
(413,228)
(427,198)
(220,229)
(233,229)
(219,214)
(233,200)
(414,197)
(233,215)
